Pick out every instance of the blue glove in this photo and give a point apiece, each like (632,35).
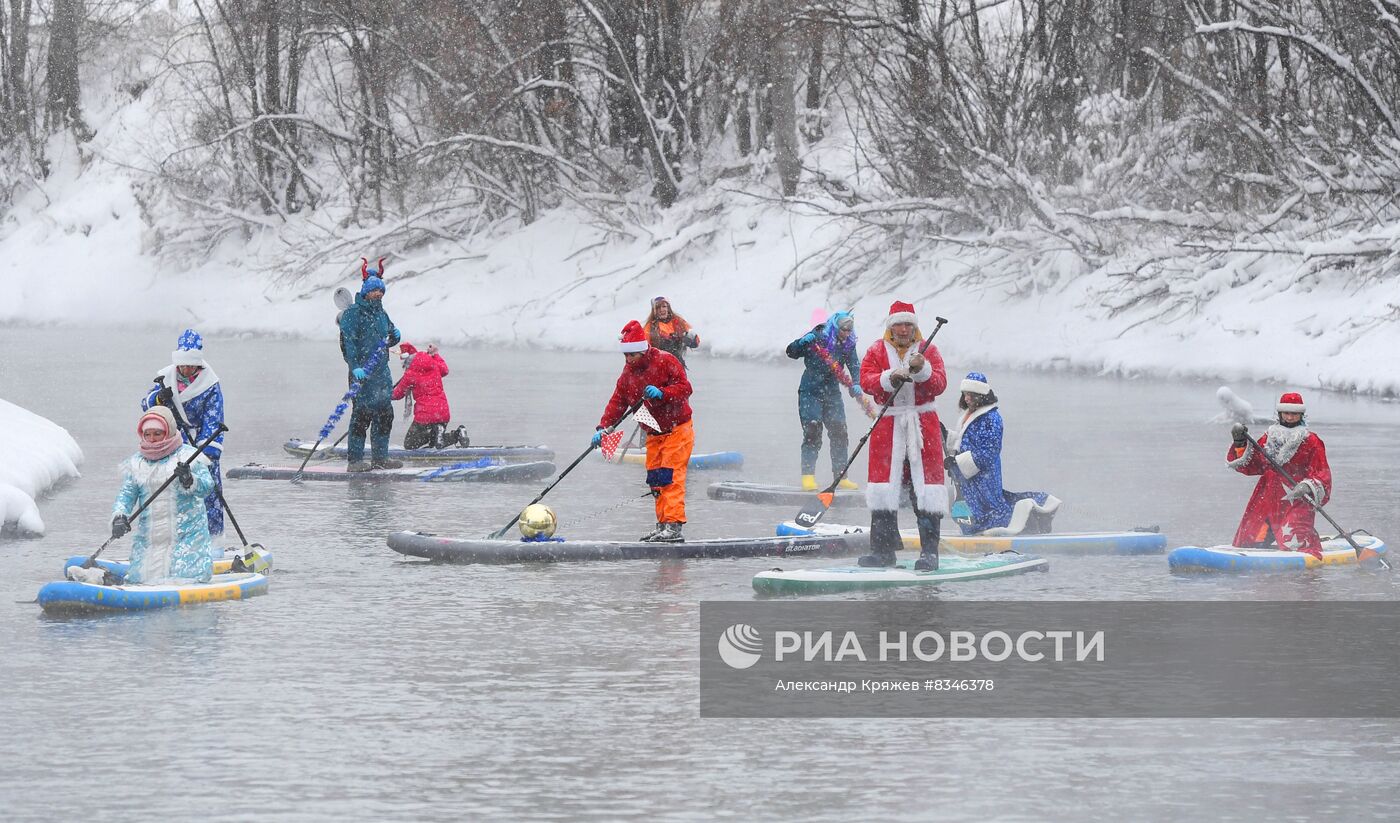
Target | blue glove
(652,393)
(809,338)
(598,437)
(359,375)
(855,391)
(394,337)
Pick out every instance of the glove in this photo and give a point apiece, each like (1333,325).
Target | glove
(899,377)
(652,393)
(692,340)
(1305,490)
(950,464)
(855,391)
(598,437)
(394,337)
(165,397)
(1240,434)
(916,362)
(359,375)
(809,338)
(183,472)
(120,526)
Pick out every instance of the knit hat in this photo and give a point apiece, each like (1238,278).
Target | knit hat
(901,312)
(366,272)
(371,283)
(634,338)
(157,413)
(190,350)
(975,382)
(1291,402)
(407,348)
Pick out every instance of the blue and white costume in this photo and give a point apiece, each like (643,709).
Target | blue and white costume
(170,540)
(976,447)
(199,410)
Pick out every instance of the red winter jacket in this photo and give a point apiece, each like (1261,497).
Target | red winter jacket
(655,368)
(424,375)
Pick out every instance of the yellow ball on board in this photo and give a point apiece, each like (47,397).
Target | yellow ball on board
(538,520)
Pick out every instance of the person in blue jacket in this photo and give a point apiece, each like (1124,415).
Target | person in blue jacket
(366,333)
(974,463)
(191,390)
(829,353)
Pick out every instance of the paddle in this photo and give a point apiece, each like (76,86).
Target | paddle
(1364,556)
(499,533)
(628,445)
(345,401)
(189,438)
(813,512)
(92,559)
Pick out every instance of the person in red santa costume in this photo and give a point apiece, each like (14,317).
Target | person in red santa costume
(1275,512)
(657,380)
(906,447)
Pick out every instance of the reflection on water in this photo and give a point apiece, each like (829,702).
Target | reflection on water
(368,686)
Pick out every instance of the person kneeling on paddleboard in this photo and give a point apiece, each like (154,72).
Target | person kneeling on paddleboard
(974,464)
(657,380)
(1274,512)
(172,542)
(422,378)
(906,444)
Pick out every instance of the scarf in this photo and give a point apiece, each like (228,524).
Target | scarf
(160,449)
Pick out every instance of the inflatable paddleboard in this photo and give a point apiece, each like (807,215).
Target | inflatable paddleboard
(1138,541)
(1335,552)
(698,462)
(951,569)
(486,470)
(255,558)
(71,596)
(744,492)
(509,454)
(482,550)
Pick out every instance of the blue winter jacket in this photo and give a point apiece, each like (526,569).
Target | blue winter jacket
(819,382)
(363,329)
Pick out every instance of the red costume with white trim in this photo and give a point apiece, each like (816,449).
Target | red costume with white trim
(909,430)
(1304,457)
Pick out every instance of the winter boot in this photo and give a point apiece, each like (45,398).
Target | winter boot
(653,534)
(927,562)
(930,528)
(809,482)
(388,463)
(671,533)
(847,483)
(463,441)
(358,466)
(884,540)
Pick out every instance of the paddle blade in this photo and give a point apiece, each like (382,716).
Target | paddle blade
(609,445)
(813,512)
(1371,559)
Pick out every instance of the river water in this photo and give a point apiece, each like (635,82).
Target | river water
(369,686)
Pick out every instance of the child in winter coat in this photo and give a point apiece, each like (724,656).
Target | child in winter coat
(423,373)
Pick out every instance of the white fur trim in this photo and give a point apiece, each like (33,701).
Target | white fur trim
(901,317)
(967,465)
(885,382)
(1291,407)
(955,436)
(923,375)
(632,348)
(1021,515)
(907,444)
(974,386)
(1243,460)
(188,357)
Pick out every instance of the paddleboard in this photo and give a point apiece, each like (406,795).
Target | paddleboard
(72,596)
(1335,552)
(951,569)
(483,550)
(475,471)
(1137,541)
(510,454)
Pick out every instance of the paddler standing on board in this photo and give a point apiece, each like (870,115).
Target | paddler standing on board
(656,380)
(906,447)
(829,352)
(1276,513)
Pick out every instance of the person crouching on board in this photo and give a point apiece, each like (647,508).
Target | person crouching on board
(172,542)
(657,380)
(1275,513)
(974,464)
(906,444)
(422,383)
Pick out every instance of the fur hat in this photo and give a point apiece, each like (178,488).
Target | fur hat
(975,382)
(189,351)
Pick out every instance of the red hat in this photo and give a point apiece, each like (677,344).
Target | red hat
(1291,402)
(901,312)
(407,348)
(634,338)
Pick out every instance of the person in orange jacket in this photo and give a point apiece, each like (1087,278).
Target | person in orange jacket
(656,380)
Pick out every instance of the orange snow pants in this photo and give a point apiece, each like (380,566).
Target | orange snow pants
(668,456)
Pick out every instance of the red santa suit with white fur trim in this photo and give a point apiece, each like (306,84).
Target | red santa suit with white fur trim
(1303,456)
(908,431)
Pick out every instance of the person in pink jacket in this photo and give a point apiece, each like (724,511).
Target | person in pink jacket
(422,376)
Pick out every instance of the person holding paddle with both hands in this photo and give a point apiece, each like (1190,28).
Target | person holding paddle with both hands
(1277,512)
(906,446)
(656,380)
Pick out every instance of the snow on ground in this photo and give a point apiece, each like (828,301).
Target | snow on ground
(35,454)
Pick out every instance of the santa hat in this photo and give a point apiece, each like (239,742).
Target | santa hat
(901,312)
(1291,402)
(634,338)
(371,283)
(975,382)
(407,348)
(190,350)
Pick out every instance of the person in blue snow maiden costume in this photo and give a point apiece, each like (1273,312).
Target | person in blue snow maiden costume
(974,463)
(190,389)
(364,329)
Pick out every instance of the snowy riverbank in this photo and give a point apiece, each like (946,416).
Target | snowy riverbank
(35,455)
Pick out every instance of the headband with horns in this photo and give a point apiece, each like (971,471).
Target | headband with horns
(365,272)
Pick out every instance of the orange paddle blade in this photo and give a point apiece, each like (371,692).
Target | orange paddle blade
(827,497)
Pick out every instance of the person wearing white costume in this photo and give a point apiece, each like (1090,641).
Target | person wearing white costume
(171,541)
(191,389)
